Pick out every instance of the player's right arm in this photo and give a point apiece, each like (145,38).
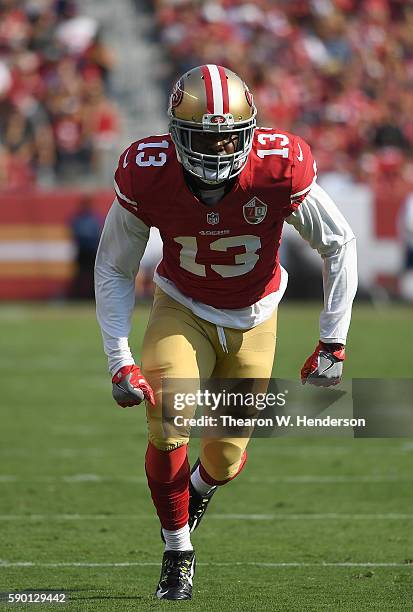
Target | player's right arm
(121,247)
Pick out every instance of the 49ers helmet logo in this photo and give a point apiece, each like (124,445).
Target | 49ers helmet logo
(248,95)
(254,211)
(177,94)
(217,119)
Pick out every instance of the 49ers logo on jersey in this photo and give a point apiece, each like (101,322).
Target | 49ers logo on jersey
(254,211)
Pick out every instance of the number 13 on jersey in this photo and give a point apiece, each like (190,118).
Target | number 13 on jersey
(244,262)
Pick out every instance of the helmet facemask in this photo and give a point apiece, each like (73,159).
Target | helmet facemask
(210,168)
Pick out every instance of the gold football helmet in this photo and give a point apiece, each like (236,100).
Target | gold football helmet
(212,99)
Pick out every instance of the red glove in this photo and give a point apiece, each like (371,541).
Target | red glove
(130,387)
(325,366)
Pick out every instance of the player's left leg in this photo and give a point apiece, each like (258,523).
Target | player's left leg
(250,355)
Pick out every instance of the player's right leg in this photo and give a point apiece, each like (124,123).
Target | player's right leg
(175,346)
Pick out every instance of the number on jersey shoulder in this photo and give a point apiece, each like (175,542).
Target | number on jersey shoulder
(145,158)
(281,140)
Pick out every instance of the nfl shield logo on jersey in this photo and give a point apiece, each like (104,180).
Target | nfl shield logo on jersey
(213,218)
(254,211)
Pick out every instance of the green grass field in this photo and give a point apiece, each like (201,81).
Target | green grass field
(322,524)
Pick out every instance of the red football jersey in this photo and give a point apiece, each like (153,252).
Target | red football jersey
(225,255)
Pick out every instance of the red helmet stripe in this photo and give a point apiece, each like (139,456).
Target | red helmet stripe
(224,85)
(208,89)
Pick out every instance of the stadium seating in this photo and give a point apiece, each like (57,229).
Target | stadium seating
(338,72)
(56,116)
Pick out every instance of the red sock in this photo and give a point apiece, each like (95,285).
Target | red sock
(168,479)
(211,481)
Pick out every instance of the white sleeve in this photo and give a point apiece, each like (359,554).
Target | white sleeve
(121,247)
(319,221)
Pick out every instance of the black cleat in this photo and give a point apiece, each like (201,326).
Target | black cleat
(198,503)
(178,568)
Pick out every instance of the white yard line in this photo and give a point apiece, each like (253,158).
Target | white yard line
(297,479)
(71,479)
(271,450)
(6,564)
(335,516)
(322,479)
(352,448)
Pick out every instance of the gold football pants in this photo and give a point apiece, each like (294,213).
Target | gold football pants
(178,344)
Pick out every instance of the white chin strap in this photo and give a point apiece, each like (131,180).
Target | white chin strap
(211,176)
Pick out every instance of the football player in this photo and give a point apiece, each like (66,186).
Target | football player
(219,190)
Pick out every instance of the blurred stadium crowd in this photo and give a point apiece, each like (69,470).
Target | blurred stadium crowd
(338,72)
(56,117)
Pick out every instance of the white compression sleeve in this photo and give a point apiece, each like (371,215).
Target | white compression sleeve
(121,247)
(322,225)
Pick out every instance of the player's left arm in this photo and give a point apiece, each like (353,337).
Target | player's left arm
(321,224)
